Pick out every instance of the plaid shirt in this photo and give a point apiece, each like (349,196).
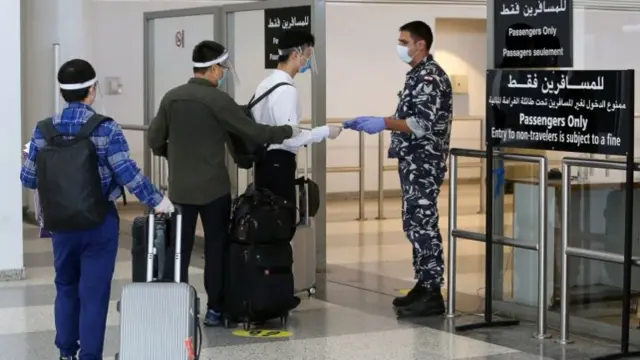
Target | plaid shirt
(115,165)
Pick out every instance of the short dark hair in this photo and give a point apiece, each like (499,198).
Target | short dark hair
(294,38)
(76,71)
(419,30)
(206,51)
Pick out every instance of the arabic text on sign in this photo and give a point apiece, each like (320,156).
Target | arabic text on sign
(551,87)
(557,103)
(542,7)
(287,24)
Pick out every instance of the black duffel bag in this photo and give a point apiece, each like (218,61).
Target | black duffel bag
(260,217)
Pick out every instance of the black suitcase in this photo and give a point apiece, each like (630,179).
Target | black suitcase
(163,235)
(259,284)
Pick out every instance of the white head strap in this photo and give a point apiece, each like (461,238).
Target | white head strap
(219,60)
(290,50)
(79,86)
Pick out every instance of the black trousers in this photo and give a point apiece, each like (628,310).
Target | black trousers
(277,173)
(215,223)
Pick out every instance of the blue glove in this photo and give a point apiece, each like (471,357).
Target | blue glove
(352,124)
(371,124)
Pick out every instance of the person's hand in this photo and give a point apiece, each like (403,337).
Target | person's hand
(165,207)
(352,124)
(295,131)
(334,131)
(370,124)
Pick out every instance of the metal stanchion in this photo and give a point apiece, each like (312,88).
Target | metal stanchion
(380,176)
(490,239)
(542,252)
(483,163)
(625,259)
(361,166)
(453,204)
(564,266)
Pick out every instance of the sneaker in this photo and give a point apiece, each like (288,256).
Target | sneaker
(427,303)
(212,318)
(411,296)
(68,358)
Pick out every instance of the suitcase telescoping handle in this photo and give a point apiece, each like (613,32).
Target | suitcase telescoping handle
(178,245)
(305,184)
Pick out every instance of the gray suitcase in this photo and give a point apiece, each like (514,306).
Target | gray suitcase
(304,241)
(159,320)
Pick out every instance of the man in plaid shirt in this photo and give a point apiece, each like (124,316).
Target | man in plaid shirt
(84,260)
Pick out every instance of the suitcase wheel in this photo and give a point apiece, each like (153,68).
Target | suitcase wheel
(312,291)
(284,320)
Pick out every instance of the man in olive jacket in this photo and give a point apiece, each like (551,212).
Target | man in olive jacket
(190,129)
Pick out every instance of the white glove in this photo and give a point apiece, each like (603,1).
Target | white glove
(334,131)
(295,131)
(165,206)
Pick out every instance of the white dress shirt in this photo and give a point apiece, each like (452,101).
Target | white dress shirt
(282,107)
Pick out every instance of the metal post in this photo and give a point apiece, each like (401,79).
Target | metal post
(483,163)
(564,265)
(56,88)
(542,252)
(380,176)
(361,161)
(451,259)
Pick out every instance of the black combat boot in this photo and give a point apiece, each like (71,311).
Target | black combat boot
(427,302)
(412,295)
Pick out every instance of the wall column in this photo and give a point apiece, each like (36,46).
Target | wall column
(11,255)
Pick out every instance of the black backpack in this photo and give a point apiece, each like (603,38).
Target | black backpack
(69,186)
(246,152)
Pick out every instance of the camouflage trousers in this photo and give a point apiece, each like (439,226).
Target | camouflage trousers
(420,183)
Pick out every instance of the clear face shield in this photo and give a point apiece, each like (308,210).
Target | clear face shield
(307,54)
(224,62)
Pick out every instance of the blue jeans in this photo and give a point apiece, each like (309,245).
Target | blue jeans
(84,262)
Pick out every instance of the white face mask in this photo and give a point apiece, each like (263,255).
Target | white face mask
(403,53)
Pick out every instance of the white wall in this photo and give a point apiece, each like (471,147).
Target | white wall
(461,46)
(11,256)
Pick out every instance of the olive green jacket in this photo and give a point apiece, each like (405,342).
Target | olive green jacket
(191,129)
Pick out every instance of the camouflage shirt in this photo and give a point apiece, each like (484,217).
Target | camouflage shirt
(426,104)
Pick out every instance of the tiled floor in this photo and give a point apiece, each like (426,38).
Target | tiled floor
(350,318)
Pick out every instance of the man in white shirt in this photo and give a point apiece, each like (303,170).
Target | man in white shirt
(277,171)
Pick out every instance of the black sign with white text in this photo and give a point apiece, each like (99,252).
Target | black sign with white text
(577,111)
(533,33)
(276,21)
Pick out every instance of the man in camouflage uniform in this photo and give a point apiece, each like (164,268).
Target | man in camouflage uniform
(421,129)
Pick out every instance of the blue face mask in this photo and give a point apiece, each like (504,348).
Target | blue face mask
(305,67)
(223,78)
